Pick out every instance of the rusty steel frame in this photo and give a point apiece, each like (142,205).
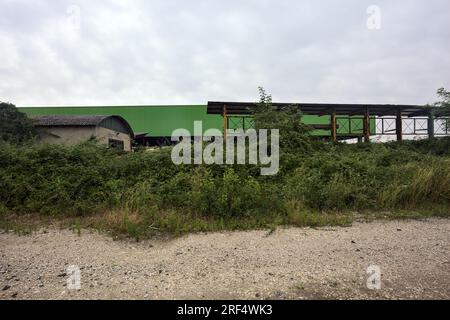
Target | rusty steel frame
(416,126)
(389,125)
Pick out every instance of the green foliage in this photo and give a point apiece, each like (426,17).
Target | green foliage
(88,178)
(444,103)
(15,127)
(76,227)
(293,133)
(414,185)
(435,146)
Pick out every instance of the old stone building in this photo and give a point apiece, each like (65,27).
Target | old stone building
(113,131)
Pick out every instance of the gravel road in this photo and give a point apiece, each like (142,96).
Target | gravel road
(290,263)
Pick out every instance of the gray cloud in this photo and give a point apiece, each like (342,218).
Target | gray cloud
(187,52)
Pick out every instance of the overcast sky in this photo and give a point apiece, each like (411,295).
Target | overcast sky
(188,52)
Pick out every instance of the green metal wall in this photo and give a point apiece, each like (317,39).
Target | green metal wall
(157,121)
(160,121)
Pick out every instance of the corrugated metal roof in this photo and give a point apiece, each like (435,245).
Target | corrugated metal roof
(320,109)
(85,121)
(69,120)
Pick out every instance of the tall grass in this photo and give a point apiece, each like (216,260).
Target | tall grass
(416,185)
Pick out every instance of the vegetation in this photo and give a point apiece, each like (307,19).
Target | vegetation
(444,103)
(15,127)
(143,193)
(293,133)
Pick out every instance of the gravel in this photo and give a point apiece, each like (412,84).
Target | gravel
(290,263)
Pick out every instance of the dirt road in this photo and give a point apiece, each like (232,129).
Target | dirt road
(291,263)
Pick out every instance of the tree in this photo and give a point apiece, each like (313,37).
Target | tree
(15,126)
(443,110)
(293,133)
(444,104)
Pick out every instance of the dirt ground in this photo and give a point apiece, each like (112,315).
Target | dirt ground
(290,263)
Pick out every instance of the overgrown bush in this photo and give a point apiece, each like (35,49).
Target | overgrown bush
(15,127)
(87,178)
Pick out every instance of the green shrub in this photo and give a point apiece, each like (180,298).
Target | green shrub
(15,127)
(87,179)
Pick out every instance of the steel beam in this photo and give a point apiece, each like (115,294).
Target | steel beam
(225,123)
(333,126)
(366,126)
(398,125)
(430,125)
